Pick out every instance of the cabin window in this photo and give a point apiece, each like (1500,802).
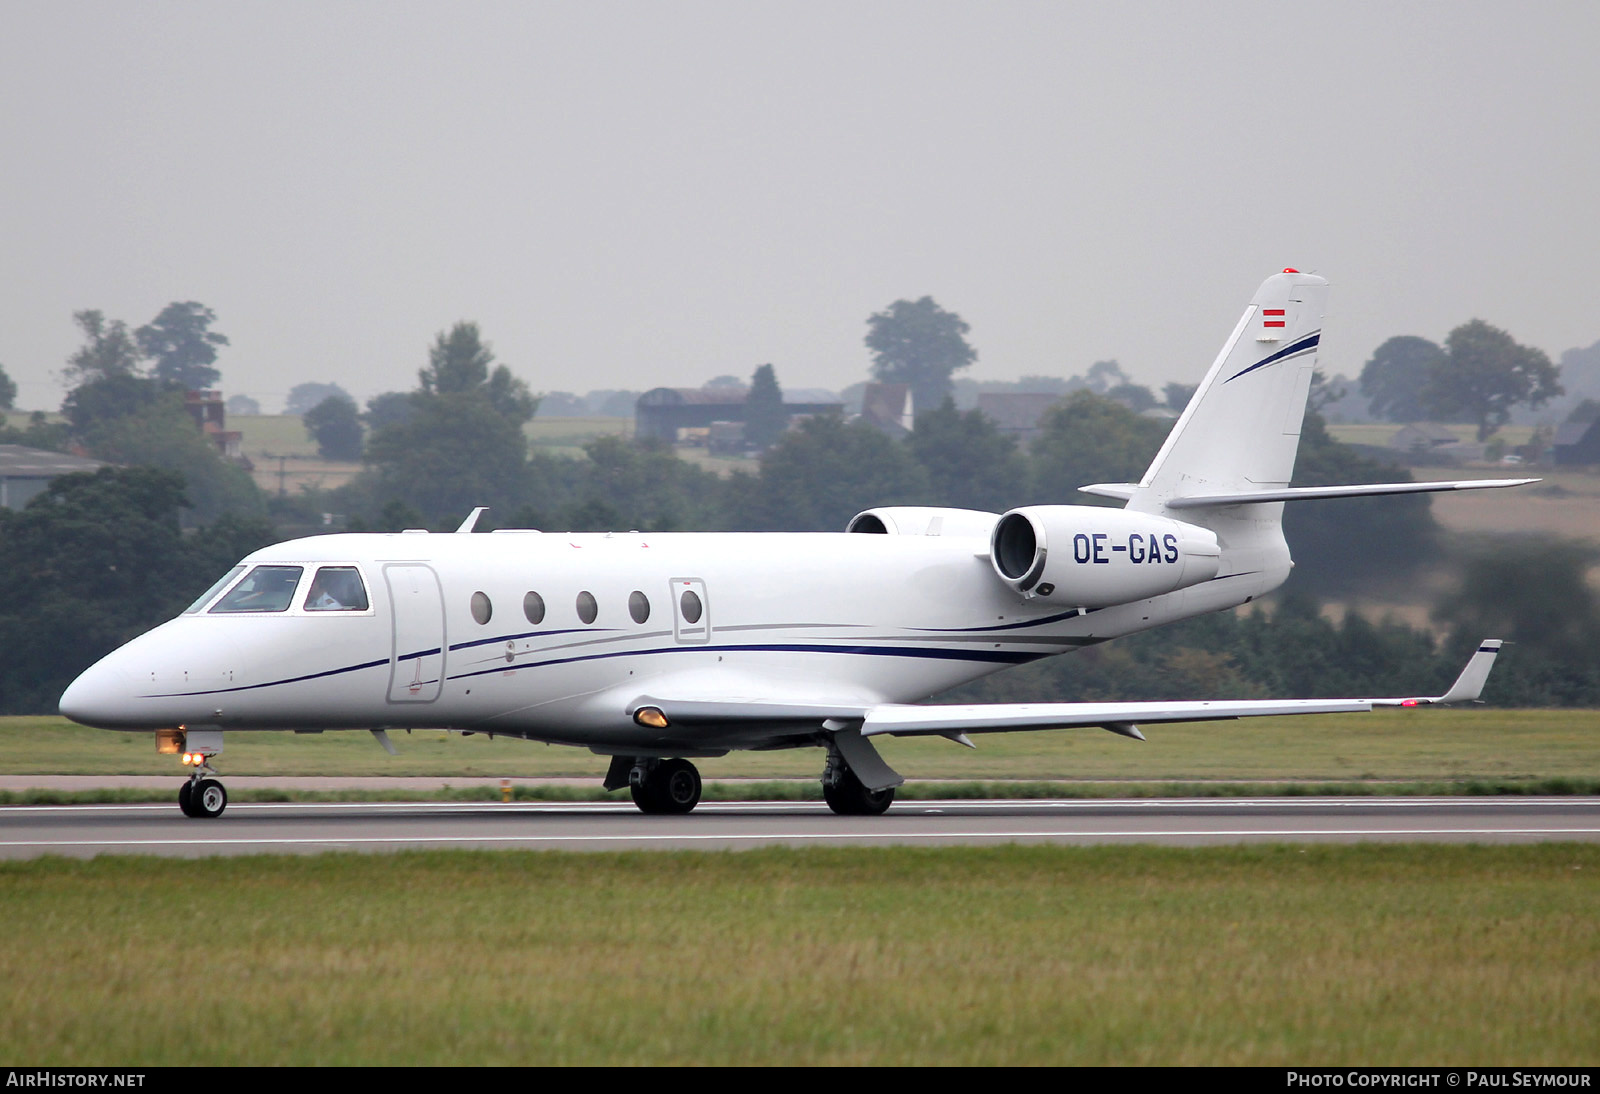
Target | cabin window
(214,590)
(533,608)
(691,607)
(337,589)
(588,610)
(482,610)
(638,606)
(264,589)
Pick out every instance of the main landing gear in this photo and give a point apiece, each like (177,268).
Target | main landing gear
(669,787)
(846,795)
(672,787)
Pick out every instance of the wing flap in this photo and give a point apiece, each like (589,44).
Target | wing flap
(904,721)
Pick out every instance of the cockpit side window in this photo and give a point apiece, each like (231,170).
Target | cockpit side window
(206,596)
(337,589)
(264,589)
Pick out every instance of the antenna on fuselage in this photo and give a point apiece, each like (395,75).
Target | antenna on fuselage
(472,519)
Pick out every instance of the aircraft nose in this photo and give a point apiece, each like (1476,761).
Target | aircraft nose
(98,697)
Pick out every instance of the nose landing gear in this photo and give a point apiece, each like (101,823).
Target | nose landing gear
(201,796)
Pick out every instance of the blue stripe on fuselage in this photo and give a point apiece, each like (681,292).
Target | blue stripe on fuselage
(984,656)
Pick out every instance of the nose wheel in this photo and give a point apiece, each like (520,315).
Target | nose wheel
(202,796)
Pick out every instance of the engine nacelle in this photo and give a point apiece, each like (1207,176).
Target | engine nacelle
(1091,557)
(923,520)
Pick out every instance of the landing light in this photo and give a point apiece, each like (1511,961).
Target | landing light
(650,716)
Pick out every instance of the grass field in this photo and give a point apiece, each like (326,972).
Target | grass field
(1386,745)
(1021,955)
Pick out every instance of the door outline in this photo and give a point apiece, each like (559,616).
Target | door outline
(683,631)
(416,624)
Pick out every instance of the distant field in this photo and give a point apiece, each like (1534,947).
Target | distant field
(1563,503)
(1378,955)
(575,432)
(1390,745)
(1378,433)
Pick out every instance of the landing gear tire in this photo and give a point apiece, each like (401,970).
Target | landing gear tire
(847,797)
(208,798)
(672,787)
(186,799)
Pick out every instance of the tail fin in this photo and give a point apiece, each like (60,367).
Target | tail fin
(1242,427)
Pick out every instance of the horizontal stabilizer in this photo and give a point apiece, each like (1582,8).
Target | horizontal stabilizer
(1306,493)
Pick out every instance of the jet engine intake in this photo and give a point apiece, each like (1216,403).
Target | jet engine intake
(923,520)
(1093,557)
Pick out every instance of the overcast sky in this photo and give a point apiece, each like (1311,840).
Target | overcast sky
(646,193)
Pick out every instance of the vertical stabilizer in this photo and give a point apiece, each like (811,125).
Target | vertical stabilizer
(1242,427)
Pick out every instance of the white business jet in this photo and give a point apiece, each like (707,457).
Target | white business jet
(654,648)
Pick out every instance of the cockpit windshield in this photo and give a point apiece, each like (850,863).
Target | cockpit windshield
(214,590)
(337,589)
(264,589)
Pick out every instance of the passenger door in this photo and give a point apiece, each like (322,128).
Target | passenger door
(417,660)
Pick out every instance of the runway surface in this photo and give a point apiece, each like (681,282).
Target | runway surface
(87,830)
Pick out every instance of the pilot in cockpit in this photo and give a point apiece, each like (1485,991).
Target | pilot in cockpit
(336,589)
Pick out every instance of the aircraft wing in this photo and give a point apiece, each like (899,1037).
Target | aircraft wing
(1124,718)
(898,719)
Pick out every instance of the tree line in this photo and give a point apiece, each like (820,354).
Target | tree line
(100,558)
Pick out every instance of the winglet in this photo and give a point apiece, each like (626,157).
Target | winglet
(472,519)
(1468,686)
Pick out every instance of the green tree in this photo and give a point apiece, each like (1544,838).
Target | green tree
(969,463)
(182,345)
(389,408)
(824,472)
(1340,543)
(302,397)
(454,453)
(1485,373)
(106,397)
(1395,377)
(108,350)
(161,433)
(920,344)
(1536,593)
(641,485)
(1088,438)
(765,418)
(460,361)
(8,390)
(94,561)
(1136,397)
(1177,396)
(460,443)
(1105,375)
(335,425)
(40,432)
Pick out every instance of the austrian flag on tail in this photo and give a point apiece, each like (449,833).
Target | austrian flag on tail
(1272,317)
